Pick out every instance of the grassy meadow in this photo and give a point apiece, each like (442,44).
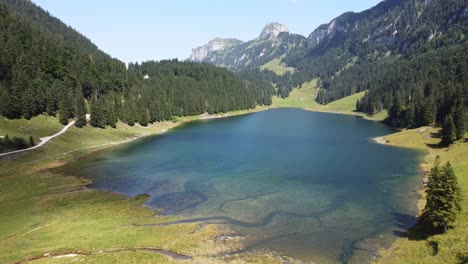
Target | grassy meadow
(304,97)
(39,126)
(277,67)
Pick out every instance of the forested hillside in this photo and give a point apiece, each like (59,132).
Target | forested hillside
(48,67)
(44,64)
(411,57)
(161,90)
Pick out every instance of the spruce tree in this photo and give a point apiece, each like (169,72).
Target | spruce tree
(448,130)
(64,113)
(142,115)
(443,197)
(10,104)
(31,141)
(27,103)
(97,118)
(80,108)
(112,116)
(459,118)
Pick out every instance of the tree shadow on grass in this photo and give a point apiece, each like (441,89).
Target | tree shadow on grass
(437,145)
(414,228)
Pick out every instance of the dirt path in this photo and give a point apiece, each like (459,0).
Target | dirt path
(43,140)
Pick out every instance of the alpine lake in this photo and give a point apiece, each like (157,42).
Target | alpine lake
(312,186)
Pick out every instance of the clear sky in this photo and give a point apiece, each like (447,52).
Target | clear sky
(138,30)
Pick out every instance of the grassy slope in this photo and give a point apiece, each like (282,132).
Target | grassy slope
(275,66)
(39,126)
(47,213)
(453,244)
(304,97)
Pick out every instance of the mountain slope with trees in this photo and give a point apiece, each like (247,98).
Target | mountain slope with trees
(48,67)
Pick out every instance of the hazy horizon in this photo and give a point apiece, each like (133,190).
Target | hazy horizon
(141,31)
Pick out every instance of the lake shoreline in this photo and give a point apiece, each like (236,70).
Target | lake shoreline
(91,149)
(40,164)
(205,117)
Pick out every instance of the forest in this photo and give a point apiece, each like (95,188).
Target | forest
(47,67)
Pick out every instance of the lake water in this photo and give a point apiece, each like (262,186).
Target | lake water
(311,186)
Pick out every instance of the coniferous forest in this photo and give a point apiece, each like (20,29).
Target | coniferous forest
(47,67)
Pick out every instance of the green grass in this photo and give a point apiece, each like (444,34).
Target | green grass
(304,97)
(277,67)
(452,245)
(39,126)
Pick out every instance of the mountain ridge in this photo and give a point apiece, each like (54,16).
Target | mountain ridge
(273,41)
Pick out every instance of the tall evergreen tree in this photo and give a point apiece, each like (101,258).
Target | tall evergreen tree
(443,197)
(112,116)
(448,130)
(459,118)
(80,108)
(97,115)
(64,113)
(10,104)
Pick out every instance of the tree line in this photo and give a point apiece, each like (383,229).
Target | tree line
(15,143)
(166,89)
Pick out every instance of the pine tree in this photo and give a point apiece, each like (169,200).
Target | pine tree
(80,108)
(459,118)
(142,116)
(64,113)
(97,118)
(112,116)
(448,130)
(10,104)
(443,197)
(31,141)
(27,103)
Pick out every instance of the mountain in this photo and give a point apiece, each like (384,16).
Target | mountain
(409,55)
(273,42)
(272,30)
(199,54)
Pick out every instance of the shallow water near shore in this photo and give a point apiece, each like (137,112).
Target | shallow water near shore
(311,186)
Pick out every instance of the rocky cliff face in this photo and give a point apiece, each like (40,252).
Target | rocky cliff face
(272,30)
(325,31)
(273,42)
(201,53)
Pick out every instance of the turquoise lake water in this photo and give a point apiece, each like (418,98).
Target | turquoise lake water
(311,186)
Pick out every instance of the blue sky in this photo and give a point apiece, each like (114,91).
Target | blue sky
(139,30)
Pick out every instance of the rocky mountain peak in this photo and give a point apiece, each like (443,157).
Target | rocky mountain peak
(200,53)
(272,30)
